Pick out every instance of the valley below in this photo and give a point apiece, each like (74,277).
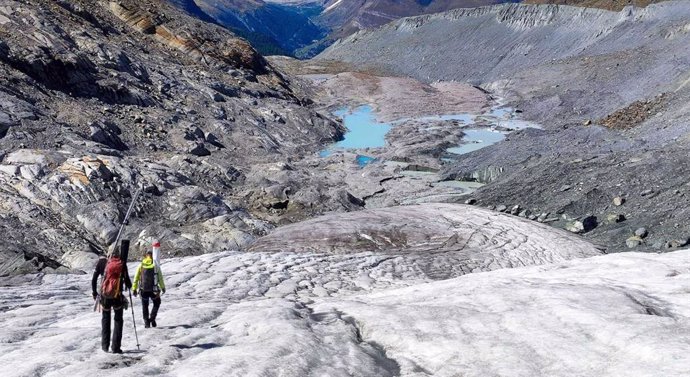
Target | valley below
(600,127)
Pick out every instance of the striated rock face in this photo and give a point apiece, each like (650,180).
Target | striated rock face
(98,98)
(135,18)
(604,4)
(234,51)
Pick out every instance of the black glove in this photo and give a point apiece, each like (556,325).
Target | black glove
(95,296)
(135,293)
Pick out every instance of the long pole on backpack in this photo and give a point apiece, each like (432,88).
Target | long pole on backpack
(119,234)
(126,219)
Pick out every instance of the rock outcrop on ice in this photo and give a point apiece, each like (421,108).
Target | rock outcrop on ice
(446,239)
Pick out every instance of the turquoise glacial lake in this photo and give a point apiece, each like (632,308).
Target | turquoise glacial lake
(364,131)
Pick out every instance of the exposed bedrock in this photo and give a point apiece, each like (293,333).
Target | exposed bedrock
(100,98)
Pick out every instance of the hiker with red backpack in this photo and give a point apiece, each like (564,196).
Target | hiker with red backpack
(111,297)
(148,281)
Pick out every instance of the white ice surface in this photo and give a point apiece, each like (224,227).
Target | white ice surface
(234,314)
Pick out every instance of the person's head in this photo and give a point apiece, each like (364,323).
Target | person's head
(148,254)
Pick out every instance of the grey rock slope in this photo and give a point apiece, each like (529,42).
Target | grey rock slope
(347,17)
(582,62)
(98,98)
(604,4)
(609,88)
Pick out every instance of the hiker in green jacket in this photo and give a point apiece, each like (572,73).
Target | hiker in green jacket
(148,280)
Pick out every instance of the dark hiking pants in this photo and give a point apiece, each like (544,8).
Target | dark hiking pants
(156,298)
(117,307)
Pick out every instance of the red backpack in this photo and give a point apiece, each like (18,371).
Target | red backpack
(111,282)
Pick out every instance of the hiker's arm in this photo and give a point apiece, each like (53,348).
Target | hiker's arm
(137,275)
(94,280)
(128,282)
(161,283)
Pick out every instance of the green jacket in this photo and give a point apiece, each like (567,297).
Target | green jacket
(148,264)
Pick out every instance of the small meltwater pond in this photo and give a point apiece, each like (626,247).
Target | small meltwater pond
(466,118)
(364,131)
(477,139)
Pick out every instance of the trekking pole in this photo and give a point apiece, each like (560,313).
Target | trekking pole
(131,306)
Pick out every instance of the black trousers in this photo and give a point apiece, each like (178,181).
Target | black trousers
(109,305)
(156,298)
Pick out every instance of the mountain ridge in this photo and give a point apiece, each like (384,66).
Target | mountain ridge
(615,5)
(304,28)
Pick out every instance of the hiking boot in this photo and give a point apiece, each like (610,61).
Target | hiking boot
(117,351)
(153,322)
(105,349)
(147,324)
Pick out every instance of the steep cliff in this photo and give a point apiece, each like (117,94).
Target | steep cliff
(347,17)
